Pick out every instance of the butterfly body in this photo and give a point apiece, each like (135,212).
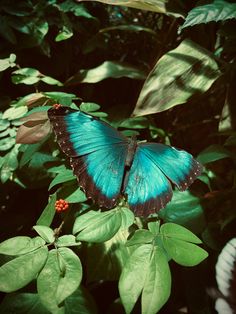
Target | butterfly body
(109,165)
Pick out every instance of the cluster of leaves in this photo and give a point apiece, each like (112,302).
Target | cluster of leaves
(190,84)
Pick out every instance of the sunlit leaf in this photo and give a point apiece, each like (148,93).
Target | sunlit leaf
(45,233)
(7,62)
(48,213)
(20,245)
(177,76)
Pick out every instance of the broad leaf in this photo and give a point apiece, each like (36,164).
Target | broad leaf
(45,233)
(213,153)
(177,76)
(140,237)
(15,113)
(97,227)
(89,107)
(22,270)
(19,303)
(171,230)
(216,11)
(67,240)
(151,5)
(133,276)
(108,69)
(20,245)
(64,176)
(157,286)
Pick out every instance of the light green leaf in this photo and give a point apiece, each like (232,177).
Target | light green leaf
(151,5)
(67,240)
(64,99)
(171,230)
(107,69)
(15,113)
(7,62)
(72,274)
(65,176)
(7,143)
(45,232)
(157,286)
(213,153)
(89,106)
(22,270)
(51,81)
(47,283)
(140,237)
(48,213)
(64,34)
(184,253)
(127,217)
(19,303)
(20,245)
(133,276)
(96,226)
(4,124)
(216,11)
(76,196)
(177,76)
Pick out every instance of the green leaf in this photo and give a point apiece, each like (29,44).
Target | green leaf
(140,237)
(157,286)
(64,34)
(96,226)
(7,62)
(127,217)
(111,257)
(15,113)
(64,99)
(216,11)
(30,76)
(67,240)
(19,303)
(51,81)
(176,241)
(59,278)
(171,230)
(185,209)
(71,193)
(65,176)
(45,233)
(72,274)
(184,253)
(133,276)
(135,123)
(177,76)
(213,153)
(4,124)
(6,143)
(20,245)
(22,270)
(47,283)
(89,107)
(48,213)
(80,302)
(107,69)
(29,151)
(151,5)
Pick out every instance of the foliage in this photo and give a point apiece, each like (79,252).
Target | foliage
(161,70)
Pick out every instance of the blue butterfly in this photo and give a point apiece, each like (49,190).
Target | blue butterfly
(109,165)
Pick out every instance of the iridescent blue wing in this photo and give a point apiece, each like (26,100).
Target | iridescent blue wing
(154,167)
(97,153)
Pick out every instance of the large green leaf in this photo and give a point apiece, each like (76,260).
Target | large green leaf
(111,256)
(22,270)
(133,276)
(178,232)
(45,233)
(177,76)
(20,303)
(150,5)
(96,226)
(185,209)
(107,69)
(157,286)
(20,245)
(216,11)
(140,236)
(59,278)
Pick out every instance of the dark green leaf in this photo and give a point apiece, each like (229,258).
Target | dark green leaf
(216,11)
(177,76)
(20,271)
(65,176)
(48,213)
(213,153)
(21,303)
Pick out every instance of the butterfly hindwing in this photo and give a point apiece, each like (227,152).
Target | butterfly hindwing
(154,167)
(97,153)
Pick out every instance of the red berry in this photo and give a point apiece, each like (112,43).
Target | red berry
(57,106)
(61,205)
